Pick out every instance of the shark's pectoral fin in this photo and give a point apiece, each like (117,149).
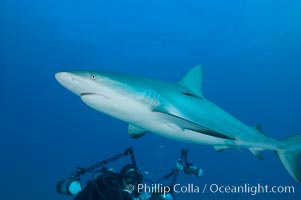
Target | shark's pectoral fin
(135,131)
(192,81)
(257,153)
(185,124)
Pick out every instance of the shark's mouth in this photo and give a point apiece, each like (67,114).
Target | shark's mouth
(91,93)
(87,93)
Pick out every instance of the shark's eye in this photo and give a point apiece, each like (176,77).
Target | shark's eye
(93,77)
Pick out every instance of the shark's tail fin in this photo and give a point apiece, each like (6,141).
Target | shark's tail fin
(290,156)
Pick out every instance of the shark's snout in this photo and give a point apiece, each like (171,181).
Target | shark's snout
(64,78)
(70,81)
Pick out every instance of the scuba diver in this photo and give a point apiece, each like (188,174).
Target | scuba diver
(107,184)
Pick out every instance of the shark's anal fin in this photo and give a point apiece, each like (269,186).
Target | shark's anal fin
(192,82)
(135,131)
(257,153)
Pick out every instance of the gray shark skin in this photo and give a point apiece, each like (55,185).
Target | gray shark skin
(177,111)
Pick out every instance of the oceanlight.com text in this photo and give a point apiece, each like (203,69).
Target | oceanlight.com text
(248,189)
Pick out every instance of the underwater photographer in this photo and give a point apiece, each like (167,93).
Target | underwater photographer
(108,184)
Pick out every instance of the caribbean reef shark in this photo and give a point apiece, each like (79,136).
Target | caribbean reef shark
(178,111)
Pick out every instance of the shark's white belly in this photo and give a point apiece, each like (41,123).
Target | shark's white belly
(141,115)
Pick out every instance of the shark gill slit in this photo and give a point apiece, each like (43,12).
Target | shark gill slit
(151,98)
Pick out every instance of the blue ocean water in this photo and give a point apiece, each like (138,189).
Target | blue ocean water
(250,52)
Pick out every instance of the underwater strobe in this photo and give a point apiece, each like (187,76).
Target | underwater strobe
(69,186)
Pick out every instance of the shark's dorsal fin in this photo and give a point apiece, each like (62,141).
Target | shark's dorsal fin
(135,131)
(259,128)
(192,81)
